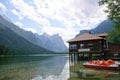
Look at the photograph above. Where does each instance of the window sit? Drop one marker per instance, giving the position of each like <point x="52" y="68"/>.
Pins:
<point x="90" y="45"/>
<point x="81" y="46"/>
<point x="73" y="46"/>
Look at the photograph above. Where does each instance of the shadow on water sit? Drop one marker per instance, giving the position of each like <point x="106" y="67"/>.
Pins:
<point x="79" y="72"/>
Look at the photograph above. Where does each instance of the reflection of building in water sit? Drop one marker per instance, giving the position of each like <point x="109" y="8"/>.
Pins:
<point x="92" y="46"/>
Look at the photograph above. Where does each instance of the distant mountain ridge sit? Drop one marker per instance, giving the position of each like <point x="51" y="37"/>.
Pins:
<point x="53" y="43"/>
<point x="27" y="35"/>
<point x="103" y="27"/>
<point x="17" y="45"/>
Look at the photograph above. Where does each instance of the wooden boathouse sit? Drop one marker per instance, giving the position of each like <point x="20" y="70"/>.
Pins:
<point x="92" y="46"/>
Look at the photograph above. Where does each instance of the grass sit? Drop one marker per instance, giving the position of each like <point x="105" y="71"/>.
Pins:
<point x="21" y="73"/>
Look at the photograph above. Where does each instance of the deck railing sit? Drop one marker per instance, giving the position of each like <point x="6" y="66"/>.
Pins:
<point x="84" y="50"/>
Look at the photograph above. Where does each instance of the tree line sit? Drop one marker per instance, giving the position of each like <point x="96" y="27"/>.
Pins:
<point x="113" y="11"/>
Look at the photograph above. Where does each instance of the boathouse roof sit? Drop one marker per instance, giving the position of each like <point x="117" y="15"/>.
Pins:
<point x="102" y="35"/>
<point x="87" y="36"/>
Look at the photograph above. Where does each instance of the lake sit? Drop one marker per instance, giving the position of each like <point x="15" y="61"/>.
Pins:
<point x="50" y="67"/>
<point x="36" y="67"/>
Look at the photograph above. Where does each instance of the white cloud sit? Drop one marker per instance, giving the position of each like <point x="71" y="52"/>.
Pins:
<point x="4" y="9"/>
<point x="30" y="29"/>
<point x="17" y="14"/>
<point x="26" y="10"/>
<point x="83" y="13"/>
<point x="18" y="24"/>
<point x="27" y="29"/>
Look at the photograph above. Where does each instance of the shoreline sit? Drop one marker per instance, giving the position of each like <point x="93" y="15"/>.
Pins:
<point x="54" y="54"/>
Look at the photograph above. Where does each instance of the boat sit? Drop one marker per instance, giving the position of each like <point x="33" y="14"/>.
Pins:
<point x="101" y="64"/>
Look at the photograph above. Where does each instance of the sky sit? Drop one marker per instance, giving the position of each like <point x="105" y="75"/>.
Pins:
<point x="63" y="17"/>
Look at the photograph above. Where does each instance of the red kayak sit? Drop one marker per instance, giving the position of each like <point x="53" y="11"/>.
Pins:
<point x="104" y="65"/>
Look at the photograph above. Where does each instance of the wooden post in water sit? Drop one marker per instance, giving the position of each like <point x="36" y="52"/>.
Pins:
<point x="90" y="56"/>
<point x="77" y="56"/>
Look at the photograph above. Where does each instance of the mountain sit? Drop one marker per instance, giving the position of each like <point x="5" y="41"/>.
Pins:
<point x="104" y="26"/>
<point x="16" y="44"/>
<point x="6" y="18"/>
<point x="26" y="34"/>
<point x="83" y="31"/>
<point x="44" y="40"/>
<point x="54" y="42"/>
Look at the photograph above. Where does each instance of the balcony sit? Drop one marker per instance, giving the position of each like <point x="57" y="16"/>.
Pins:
<point x="84" y="50"/>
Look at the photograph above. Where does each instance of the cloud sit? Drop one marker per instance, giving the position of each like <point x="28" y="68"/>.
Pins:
<point x="4" y="9"/>
<point x="27" y="29"/>
<point x="18" y="24"/>
<point x="17" y="14"/>
<point x="28" y="11"/>
<point x="74" y="14"/>
<point x="30" y="29"/>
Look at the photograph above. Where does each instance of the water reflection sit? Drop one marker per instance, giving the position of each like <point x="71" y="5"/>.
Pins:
<point x="64" y="75"/>
<point x="79" y="72"/>
<point x="50" y="68"/>
<point x="34" y="68"/>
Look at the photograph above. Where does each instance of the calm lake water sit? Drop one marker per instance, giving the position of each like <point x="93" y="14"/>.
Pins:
<point x="49" y="67"/>
<point x="34" y="67"/>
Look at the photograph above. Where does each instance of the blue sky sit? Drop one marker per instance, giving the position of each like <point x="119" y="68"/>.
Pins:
<point x="65" y="17"/>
